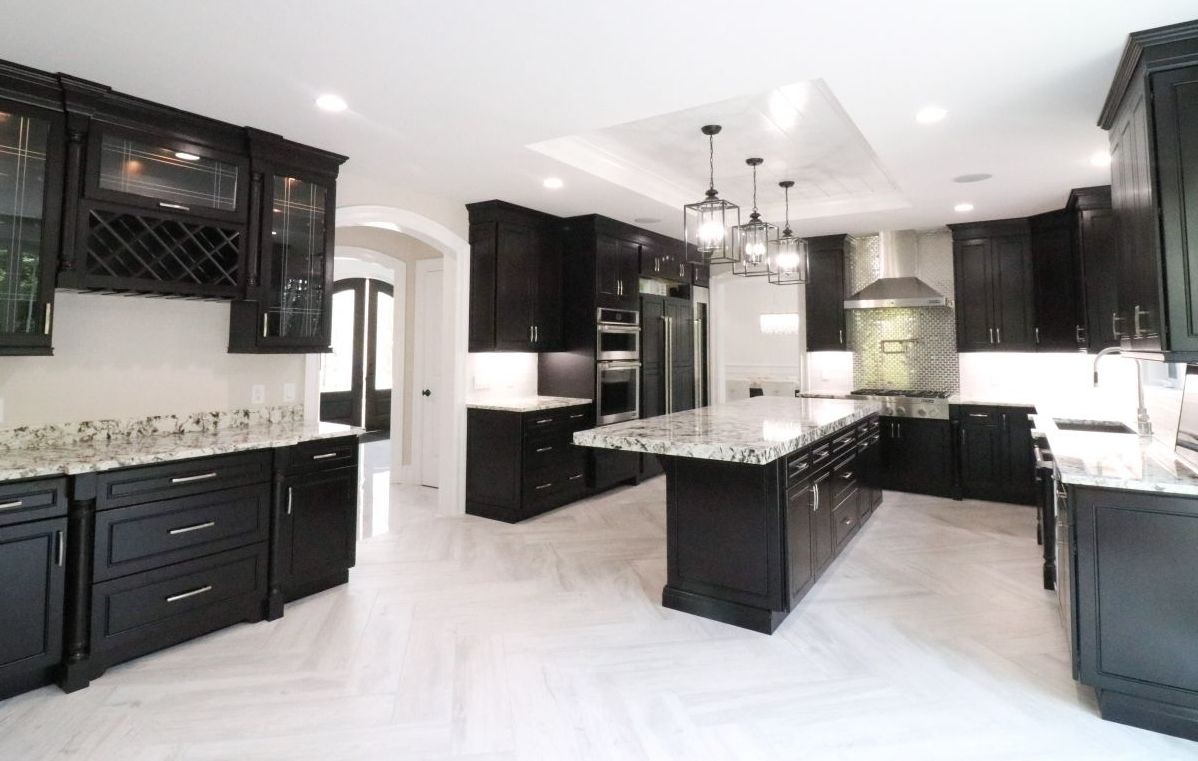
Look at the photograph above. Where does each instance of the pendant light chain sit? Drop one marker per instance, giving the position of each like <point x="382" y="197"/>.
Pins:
<point x="711" y="162"/>
<point x="754" y="188"/>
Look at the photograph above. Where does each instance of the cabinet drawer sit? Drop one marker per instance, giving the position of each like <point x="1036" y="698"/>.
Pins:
<point x="565" y="418"/>
<point x="146" y="607"/>
<point x="844" y="479"/>
<point x="844" y="521"/>
<point x="24" y="501"/>
<point x="131" y="486"/>
<point x="321" y="454"/>
<point x="569" y="472"/>
<point x="821" y="453"/>
<point x="798" y="465"/>
<point x="843" y="442"/>
<point x="143" y="537"/>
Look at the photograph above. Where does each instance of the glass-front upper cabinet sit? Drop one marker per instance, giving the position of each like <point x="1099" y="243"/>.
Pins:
<point x="31" y="154"/>
<point x="166" y="173"/>
<point x="297" y="263"/>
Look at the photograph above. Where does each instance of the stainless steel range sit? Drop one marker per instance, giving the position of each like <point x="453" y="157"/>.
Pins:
<point x="932" y="405"/>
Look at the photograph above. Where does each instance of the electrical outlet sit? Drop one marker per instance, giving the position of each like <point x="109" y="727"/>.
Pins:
<point x="257" y="394"/>
<point x="288" y="392"/>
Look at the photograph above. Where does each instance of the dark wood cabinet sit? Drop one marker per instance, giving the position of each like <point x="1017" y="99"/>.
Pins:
<point x="1059" y="303"/>
<point x="995" y="460"/>
<point x="515" y="279"/>
<point x="801" y="510"/>
<point x="701" y="275"/>
<point x="521" y="464"/>
<point x="617" y="267"/>
<point x="826" y="292"/>
<point x="1096" y="252"/>
<point x="317" y="518"/>
<point x="1134" y="599"/>
<point x="33" y="535"/>
<point x="665" y="259"/>
<point x="1152" y="119"/>
<point x="288" y="304"/>
<point x="32" y="147"/>
<point x="916" y="455"/>
<point x="994" y="287"/>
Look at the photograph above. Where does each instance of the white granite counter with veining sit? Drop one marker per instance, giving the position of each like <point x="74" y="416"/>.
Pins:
<point x="754" y="431"/>
<point x="981" y="402"/>
<point x="526" y="403"/>
<point x="1115" y="460"/>
<point x="67" y="456"/>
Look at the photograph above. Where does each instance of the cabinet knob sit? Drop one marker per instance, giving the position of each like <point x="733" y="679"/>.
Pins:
<point x="426" y="392"/>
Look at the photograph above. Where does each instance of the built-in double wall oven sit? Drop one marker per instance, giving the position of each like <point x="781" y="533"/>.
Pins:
<point x="618" y="366"/>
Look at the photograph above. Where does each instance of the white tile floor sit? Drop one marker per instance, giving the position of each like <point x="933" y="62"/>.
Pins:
<point x="461" y="638"/>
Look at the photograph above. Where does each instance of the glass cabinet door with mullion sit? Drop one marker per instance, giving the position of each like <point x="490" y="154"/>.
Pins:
<point x="167" y="174"/>
<point x="297" y="262"/>
<point x="31" y="155"/>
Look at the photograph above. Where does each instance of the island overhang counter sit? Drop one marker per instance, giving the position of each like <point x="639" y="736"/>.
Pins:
<point x="761" y="494"/>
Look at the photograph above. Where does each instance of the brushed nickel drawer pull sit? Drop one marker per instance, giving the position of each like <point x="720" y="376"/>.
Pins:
<point x="544" y="449"/>
<point x="544" y="486"/>
<point x="176" y="206"/>
<point x="11" y="505"/>
<point x="189" y="529"/>
<point x="192" y="593"/>
<point x="980" y="414"/>
<point x="543" y="421"/>
<point x="61" y="539"/>
<point x="324" y="456"/>
<point x="290" y="491"/>
<point x="848" y="476"/>
<point x="847" y="521"/>
<point x="49" y="319"/>
<point x="575" y="417"/>
<point x="575" y="478"/>
<point x="190" y="479"/>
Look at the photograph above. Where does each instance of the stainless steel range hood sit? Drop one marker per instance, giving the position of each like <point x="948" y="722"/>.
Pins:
<point x="898" y="284"/>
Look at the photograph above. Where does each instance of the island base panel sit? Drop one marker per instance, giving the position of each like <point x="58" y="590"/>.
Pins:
<point x="744" y="616"/>
<point x="1146" y="713"/>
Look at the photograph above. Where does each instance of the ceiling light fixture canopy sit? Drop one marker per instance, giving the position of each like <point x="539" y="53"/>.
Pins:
<point x="788" y="260"/>
<point x="707" y="224"/>
<point x="750" y="241"/>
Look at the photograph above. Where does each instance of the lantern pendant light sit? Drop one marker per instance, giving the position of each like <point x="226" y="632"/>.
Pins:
<point x="750" y="241"/>
<point x="788" y="260"/>
<point x="707" y="225"/>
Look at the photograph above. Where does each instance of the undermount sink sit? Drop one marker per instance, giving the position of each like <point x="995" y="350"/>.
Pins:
<point x="1092" y="426"/>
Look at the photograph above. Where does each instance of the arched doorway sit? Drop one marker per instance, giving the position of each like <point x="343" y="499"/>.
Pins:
<point x="355" y="377"/>
<point x="451" y="407"/>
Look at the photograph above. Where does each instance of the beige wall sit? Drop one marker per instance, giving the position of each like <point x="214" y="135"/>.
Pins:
<point x="129" y="356"/>
<point x="404" y="248"/>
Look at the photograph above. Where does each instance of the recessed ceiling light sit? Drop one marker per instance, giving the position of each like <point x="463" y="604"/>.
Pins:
<point x="553" y="183"/>
<point x="961" y="208"/>
<point x="930" y="114"/>
<point x="332" y="103"/>
<point x="184" y="155"/>
<point x="646" y="220"/>
<point x="1101" y="158"/>
<point x="979" y="177"/>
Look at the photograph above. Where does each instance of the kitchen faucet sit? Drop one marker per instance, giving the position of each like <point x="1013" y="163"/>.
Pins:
<point x="1143" y="424"/>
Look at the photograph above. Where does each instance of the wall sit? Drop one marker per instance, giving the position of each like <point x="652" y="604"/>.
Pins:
<point x="500" y="374"/>
<point x="130" y="356"/>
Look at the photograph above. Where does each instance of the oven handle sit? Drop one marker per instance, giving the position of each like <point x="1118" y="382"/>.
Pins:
<point x="618" y="327"/>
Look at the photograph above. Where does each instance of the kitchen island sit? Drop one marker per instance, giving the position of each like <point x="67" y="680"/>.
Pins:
<point x="762" y="494"/>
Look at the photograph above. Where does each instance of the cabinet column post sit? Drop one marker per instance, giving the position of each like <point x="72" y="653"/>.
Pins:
<point x="75" y="673"/>
<point x="274" y="593"/>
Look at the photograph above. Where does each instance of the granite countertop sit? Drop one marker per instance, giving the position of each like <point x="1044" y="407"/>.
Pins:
<point x="754" y="431"/>
<point x="1115" y="460"/>
<point x="526" y="403"/>
<point x="959" y="399"/>
<point x="51" y="457"/>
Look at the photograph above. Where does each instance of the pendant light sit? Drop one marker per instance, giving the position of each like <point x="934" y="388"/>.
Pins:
<point x="707" y="224"/>
<point x="750" y="241"/>
<point x="788" y="260"/>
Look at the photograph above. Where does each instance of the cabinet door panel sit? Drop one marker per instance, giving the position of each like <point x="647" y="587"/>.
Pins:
<point x="548" y="300"/>
<point x="1057" y="302"/>
<point x="320" y="517"/>
<point x="1019" y="473"/>
<point x="1011" y="284"/>
<point x="1098" y="245"/>
<point x="822" y="546"/>
<point x="825" y="293"/>
<point x="31" y="595"/>
<point x="515" y="276"/>
<point x="628" y="266"/>
<point x="799" y="544"/>
<point x="297" y="263"/>
<point x="980" y="459"/>
<point x="972" y="280"/>
<point x="483" y="243"/>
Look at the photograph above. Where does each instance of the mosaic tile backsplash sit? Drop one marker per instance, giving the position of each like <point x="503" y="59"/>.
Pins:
<point x="920" y="349"/>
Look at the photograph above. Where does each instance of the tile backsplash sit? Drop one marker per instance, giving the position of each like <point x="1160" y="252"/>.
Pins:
<point x="907" y="347"/>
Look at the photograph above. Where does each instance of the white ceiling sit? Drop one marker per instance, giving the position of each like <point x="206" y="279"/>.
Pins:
<point x="445" y="97"/>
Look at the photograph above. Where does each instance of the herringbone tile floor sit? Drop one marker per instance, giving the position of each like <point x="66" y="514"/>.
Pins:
<point x="461" y="638"/>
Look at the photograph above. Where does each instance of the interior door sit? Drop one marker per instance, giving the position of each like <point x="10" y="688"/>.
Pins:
<point x="341" y="369"/>
<point x="428" y="363"/>
<point x="380" y="341"/>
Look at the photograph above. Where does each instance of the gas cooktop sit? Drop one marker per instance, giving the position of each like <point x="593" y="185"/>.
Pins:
<point x="909" y="393"/>
<point x="898" y="402"/>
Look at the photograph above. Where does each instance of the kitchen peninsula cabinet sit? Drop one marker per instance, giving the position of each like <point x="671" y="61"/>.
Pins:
<point x="1151" y="113"/>
<point x="826" y="292"/>
<point x="916" y="456"/>
<point x="992" y="269"/>
<point x="994" y="453"/>
<point x="32" y="147"/>
<point x="515" y="279"/>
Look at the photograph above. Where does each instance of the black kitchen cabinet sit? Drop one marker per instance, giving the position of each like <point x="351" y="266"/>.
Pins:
<point x="664" y="258"/>
<point x="316" y="518"/>
<point x="667" y="362"/>
<point x="1151" y="113"/>
<point x="826" y="292"/>
<point x="1096" y="252"/>
<point x="515" y="279"/>
<point x="33" y="530"/>
<point x="1058" y="303"/>
<point x="523" y="464"/>
<point x="801" y="510"/>
<point x="916" y="455"/>
<point x="288" y="304"/>
<point x="994" y="286"/>
<point x="995" y="460"/>
<point x="32" y="147"/>
<point x="701" y="275"/>
<point x="1134" y="599"/>
<point x="617" y="263"/>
